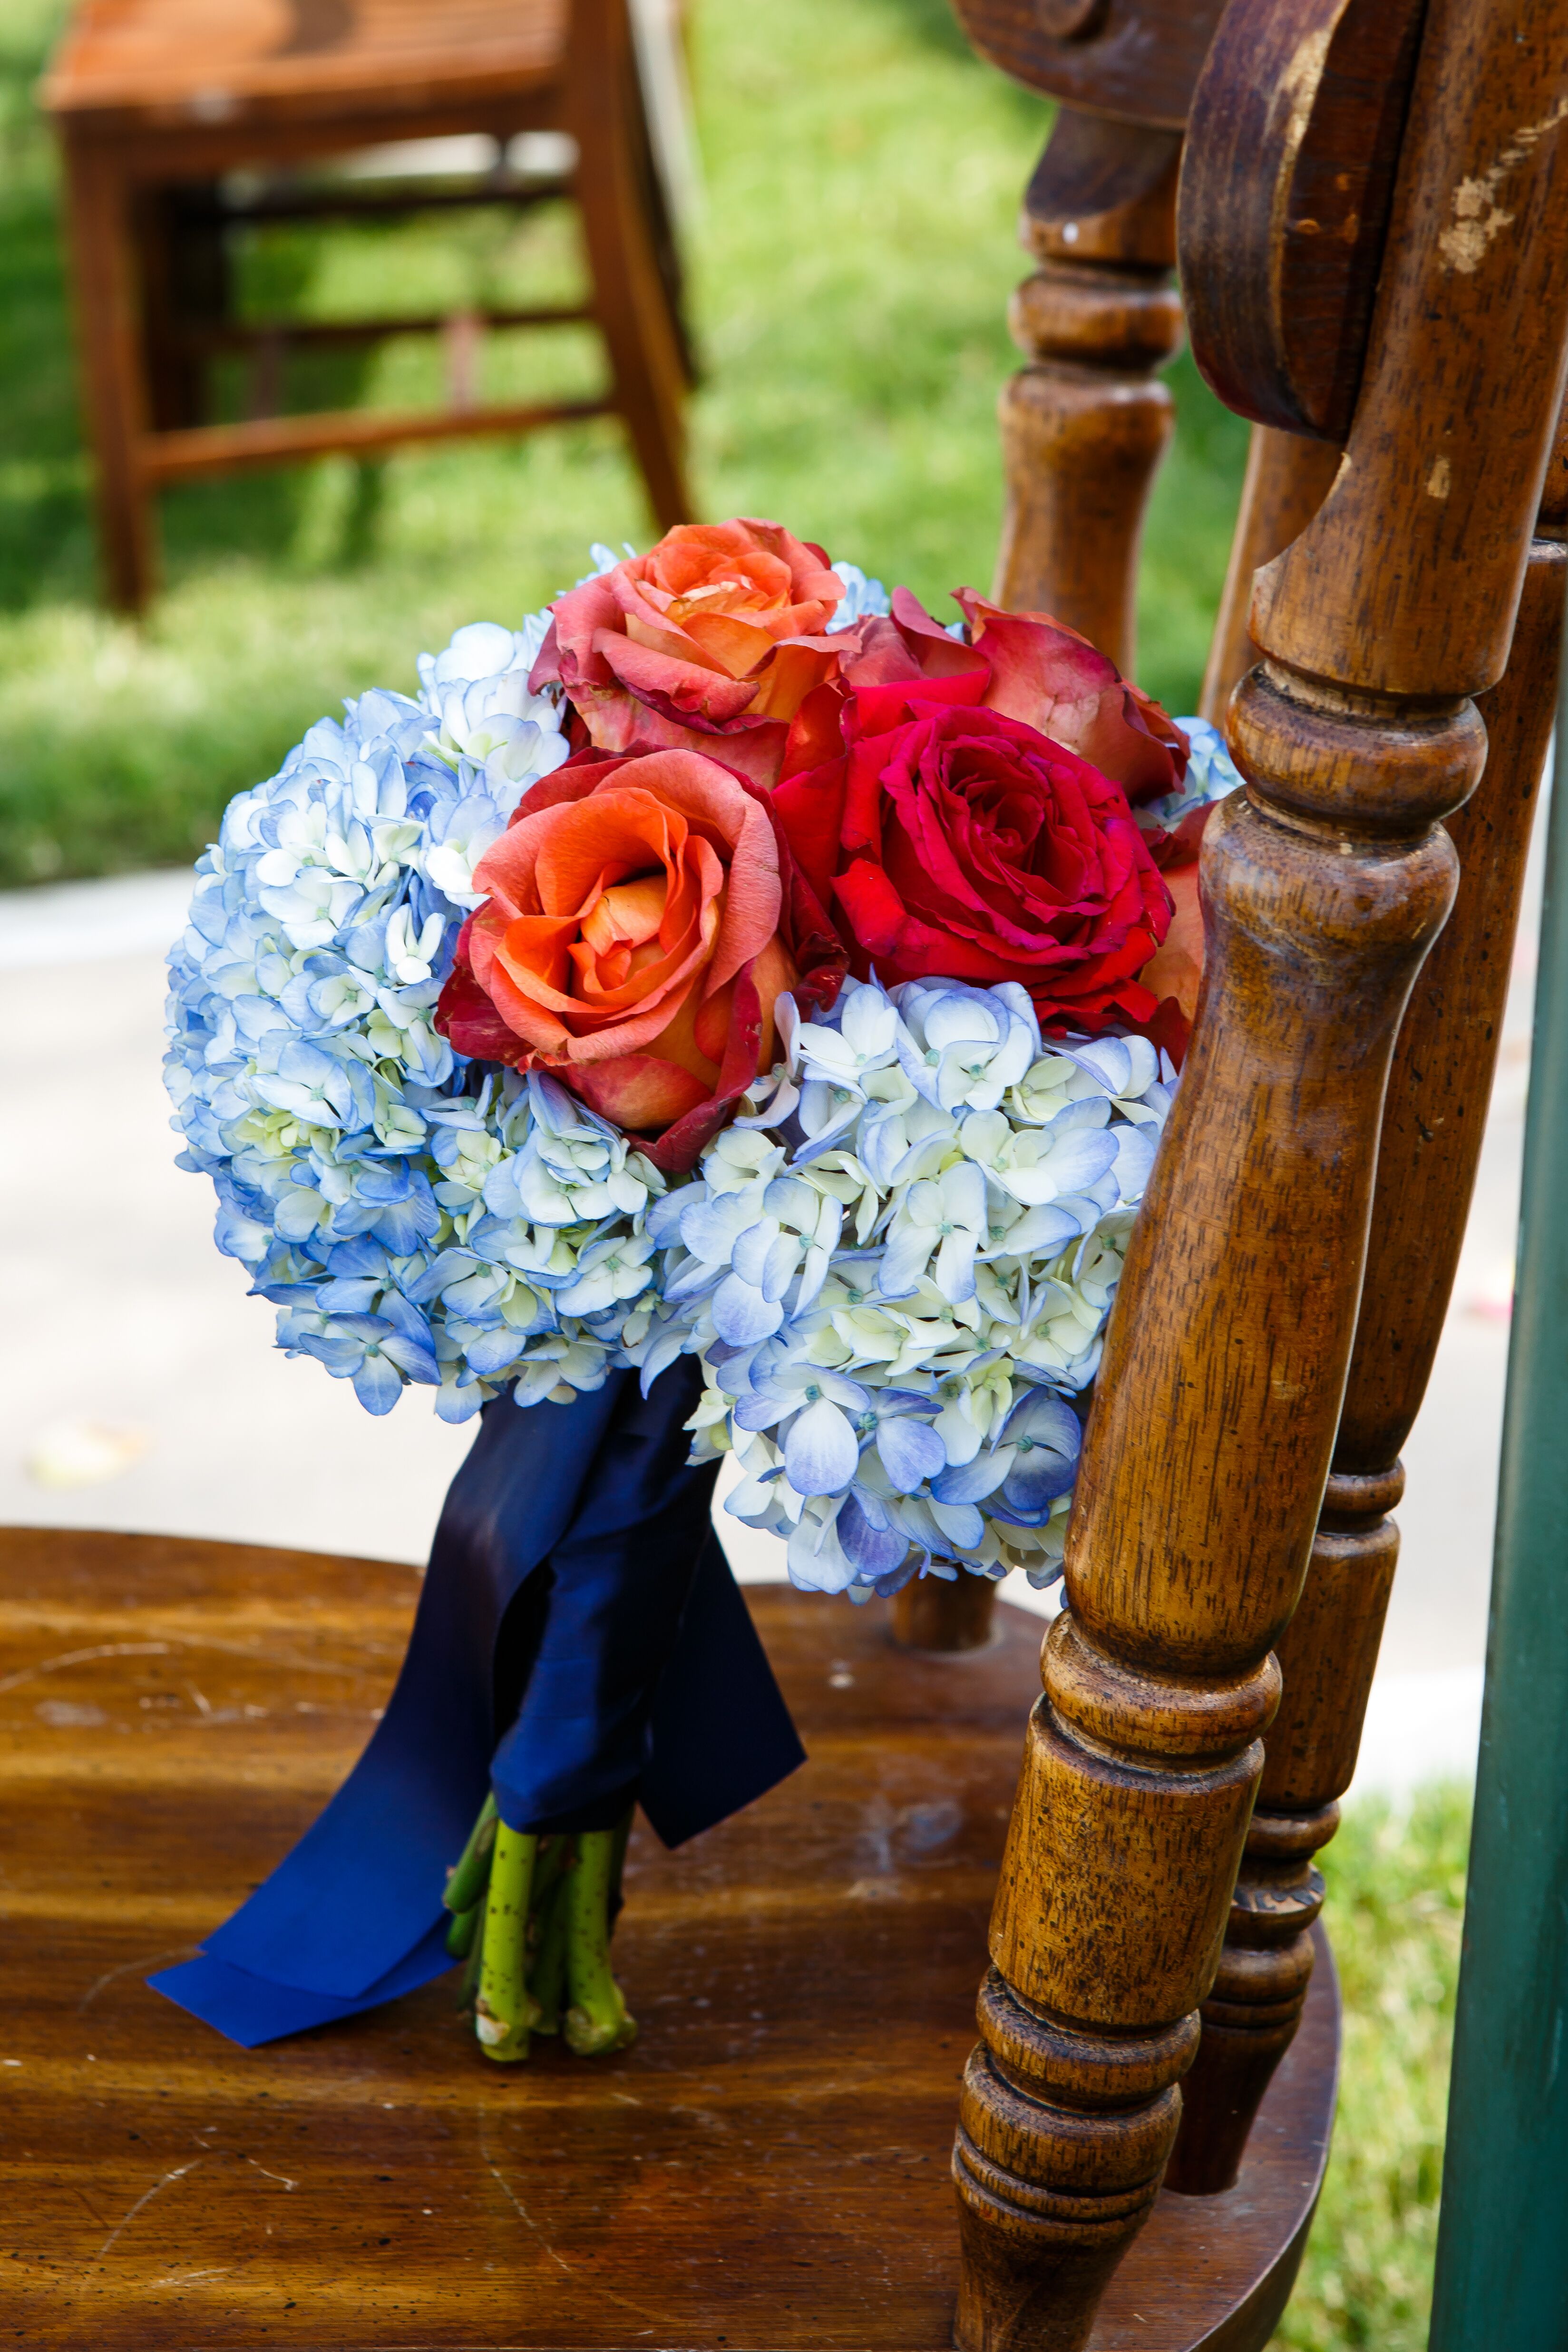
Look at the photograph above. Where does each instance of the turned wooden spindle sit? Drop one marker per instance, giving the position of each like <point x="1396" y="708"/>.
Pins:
<point x="1218" y="1399"/>
<point x="932" y="1614"/>
<point x="1433" y="1125"/>
<point x="1287" y="479"/>
<point x="1085" y="424"/>
<point x="1083" y="430"/>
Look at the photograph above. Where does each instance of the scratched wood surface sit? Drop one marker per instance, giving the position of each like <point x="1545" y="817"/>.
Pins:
<point x="768" y="2167"/>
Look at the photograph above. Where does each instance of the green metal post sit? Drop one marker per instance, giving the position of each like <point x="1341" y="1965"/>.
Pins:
<point x="1502" y="2244"/>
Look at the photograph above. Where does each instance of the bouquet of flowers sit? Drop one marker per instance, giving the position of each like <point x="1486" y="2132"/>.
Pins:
<point x="733" y="998"/>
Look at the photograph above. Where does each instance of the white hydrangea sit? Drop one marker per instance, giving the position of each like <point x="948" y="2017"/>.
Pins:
<point x="861" y="597"/>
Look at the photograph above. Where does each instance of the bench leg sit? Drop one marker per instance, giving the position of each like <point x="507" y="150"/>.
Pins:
<point x="630" y="291"/>
<point x="103" y="264"/>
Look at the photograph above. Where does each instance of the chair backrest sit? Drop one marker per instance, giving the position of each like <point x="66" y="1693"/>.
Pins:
<point x="1134" y="61"/>
<point x="1227" y="1509"/>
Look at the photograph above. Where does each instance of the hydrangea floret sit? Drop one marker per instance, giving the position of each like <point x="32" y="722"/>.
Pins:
<point x="896" y="1267"/>
<point x="1211" y="772"/>
<point x="413" y="1219"/>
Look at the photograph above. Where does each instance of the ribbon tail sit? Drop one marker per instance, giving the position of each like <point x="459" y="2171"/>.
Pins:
<point x="721" y="1734"/>
<point x="578" y="1599"/>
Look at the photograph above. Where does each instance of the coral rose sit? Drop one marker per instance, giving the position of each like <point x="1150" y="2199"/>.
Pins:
<point x="642" y="916"/>
<point x="721" y="630"/>
<point x="958" y="842"/>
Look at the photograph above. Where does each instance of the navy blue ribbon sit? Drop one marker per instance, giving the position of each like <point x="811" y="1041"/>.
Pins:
<point x="580" y="1643"/>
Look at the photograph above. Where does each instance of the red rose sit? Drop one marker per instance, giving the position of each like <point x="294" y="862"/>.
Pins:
<point x="1026" y="666"/>
<point x="642" y="917"/>
<point x="718" y="632"/>
<point x="1047" y="675"/>
<point x="956" y="841"/>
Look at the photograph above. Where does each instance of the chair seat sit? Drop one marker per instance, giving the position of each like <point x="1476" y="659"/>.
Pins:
<point x="768" y="2165"/>
<point x="149" y="59"/>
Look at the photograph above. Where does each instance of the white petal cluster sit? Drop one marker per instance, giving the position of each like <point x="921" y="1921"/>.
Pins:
<point x="863" y="596"/>
<point x="897" y="1266"/>
<point x="1210" y="774"/>
<point x="413" y="1219"/>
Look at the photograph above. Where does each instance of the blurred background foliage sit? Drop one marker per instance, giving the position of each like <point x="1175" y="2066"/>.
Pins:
<point x="849" y="287"/>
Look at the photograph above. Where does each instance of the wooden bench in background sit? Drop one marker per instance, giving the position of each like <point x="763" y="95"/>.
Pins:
<point x="160" y="103"/>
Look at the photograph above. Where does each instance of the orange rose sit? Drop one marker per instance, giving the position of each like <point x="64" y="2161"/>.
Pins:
<point x="643" y="918"/>
<point x="720" y="630"/>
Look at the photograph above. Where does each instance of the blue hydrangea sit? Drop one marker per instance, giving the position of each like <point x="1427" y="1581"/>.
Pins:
<point x="861" y="597"/>
<point x="414" y="1218"/>
<point x="897" y="1269"/>
<point x="1211" y="772"/>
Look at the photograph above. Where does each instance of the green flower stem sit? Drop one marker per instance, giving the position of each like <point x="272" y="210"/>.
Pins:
<point x="550" y="1865"/>
<point x="466" y="1885"/>
<point x="596" y="2021"/>
<point x="460" y="1934"/>
<point x="546" y="1977"/>
<point x="622" y="1834"/>
<point x="504" y="2011"/>
<point x="468" y="1990"/>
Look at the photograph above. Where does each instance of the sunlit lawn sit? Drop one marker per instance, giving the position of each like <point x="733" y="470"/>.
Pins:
<point x="850" y="279"/>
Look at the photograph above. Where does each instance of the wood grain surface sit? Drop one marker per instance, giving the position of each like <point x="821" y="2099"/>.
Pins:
<point x="1408" y="580"/>
<point x="124" y="56"/>
<point x="1294" y="137"/>
<point x="766" y="2168"/>
<point x="1287" y="479"/>
<point x="1433" y="1121"/>
<point x="1212" y="1433"/>
<point x="1133" y="60"/>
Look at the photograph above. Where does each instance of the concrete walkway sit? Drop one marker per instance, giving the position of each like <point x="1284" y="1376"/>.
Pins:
<point x="140" y="1389"/>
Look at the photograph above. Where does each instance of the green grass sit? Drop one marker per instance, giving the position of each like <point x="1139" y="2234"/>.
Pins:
<point x="1395" y="1901"/>
<point x="851" y="281"/>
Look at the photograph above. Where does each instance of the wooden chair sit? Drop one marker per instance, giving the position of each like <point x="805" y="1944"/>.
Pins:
<point x="1337" y="280"/>
<point x="768" y="2167"/>
<point x="157" y="103"/>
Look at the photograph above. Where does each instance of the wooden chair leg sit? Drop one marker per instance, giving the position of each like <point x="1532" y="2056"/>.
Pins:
<point x="1085" y="426"/>
<point x="103" y="263"/>
<point x="1082" y="431"/>
<point x="1287" y="478"/>
<point x="932" y="1614"/>
<point x="1432" y="1129"/>
<point x="630" y="294"/>
<point x="186" y="282"/>
<point x="1219" y="1399"/>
